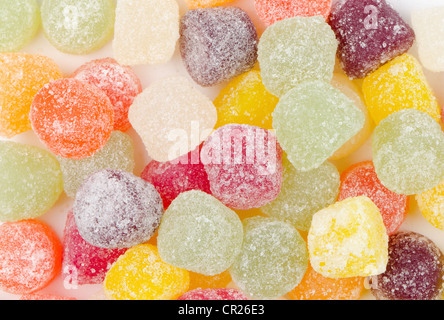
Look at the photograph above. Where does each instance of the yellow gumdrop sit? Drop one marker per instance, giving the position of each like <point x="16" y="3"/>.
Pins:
<point x="195" y="4"/>
<point x="397" y="85"/>
<point x="348" y="239"/>
<point x="246" y="101"/>
<point x="431" y="205"/>
<point x="22" y="75"/>
<point x="140" y="274"/>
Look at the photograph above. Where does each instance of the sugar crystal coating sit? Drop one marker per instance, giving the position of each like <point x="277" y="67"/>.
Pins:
<point x="44" y="296"/>
<point x="214" y="294"/>
<point x="194" y="4"/>
<point x="431" y="205"/>
<point x="114" y="209"/>
<point x="217" y="44"/>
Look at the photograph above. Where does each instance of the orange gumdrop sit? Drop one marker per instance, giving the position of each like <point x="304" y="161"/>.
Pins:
<point x="200" y="281"/>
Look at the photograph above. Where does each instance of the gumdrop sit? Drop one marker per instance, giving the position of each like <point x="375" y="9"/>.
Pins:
<point x="273" y="259"/>
<point x="431" y="205"/>
<point x="44" y="296"/>
<point x="78" y="26"/>
<point x="415" y="269"/>
<point x="195" y="4"/>
<point x="214" y="294"/>
<point x="312" y="121"/>
<point x="146" y="31"/>
<point x="201" y="281"/>
<point x="370" y="33"/>
<point x="140" y="274"/>
<point x="30" y="256"/>
<point x="30" y="181"/>
<point x="22" y="75"/>
<point x="295" y="50"/>
<point x="217" y="44"/>
<point x="244" y="166"/>
<point x="348" y="239"/>
<point x="114" y="209"/>
<point x="198" y="233"/>
<point x="180" y="118"/>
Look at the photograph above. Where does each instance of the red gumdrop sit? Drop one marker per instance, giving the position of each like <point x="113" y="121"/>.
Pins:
<point x="214" y="294"/>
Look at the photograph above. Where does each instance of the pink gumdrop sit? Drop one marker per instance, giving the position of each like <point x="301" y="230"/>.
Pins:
<point x="244" y="165"/>
<point x="82" y="262"/>
<point x="214" y="294"/>
<point x="44" y="296"/>
<point x="120" y="84"/>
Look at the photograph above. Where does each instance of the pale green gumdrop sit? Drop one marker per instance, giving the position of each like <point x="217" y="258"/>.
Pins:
<point x="273" y="260"/>
<point x="78" y="26"/>
<point x="408" y="152"/>
<point x="294" y="50"/>
<point x="200" y="234"/>
<point x="312" y="121"/>
<point x="19" y="23"/>
<point x="118" y="153"/>
<point x="30" y="181"/>
<point x="304" y="193"/>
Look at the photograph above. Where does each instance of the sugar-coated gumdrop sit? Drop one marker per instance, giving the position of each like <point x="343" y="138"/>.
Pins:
<point x="431" y="205"/>
<point x="312" y="121"/>
<point x="180" y="118"/>
<point x="82" y="262"/>
<point x="201" y="281"/>
<point x="315" y="286"/>
<point x="370" y="33"/>
<point x="44" y="296"/>
<point x="146" y="31"/>
<point x="118" y="153"/>
<point x="303" y="194"/>
<point x="30" y="181"/>
<point x="270" y="11"/>
<point x="120" y="83"/>
<point x="217" y="44"/>
<point x="140" y="274"/>
<point x="361" y="179"/>
<point x="244" y="165"/>
<point x="194" y="4"/>
<point x="408" y="152"/>
<point x="198" y="233"/>
<point x="72" y="118"/>
<point x="19" y="23"/>
<point x="415" y="269"/>
<point x="30" y="256"/>
<point x="22" y="75"/>
<point x="294" y="50"/>
<point x="273" y="259"/>
<point x="182" y="174"/>
<point x="78" y="26"/>
<point x="245" y="101"/>
<point x="114" y="209"/>
<point x="348" y="239"/>
<point x="214" y="294"/>
<point x="397" y="85"/>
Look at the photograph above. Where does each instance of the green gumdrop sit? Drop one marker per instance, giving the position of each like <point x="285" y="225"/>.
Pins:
<point x="304" y="193"/>
<point x="272" y="261"/>
<point x="30" y="181"/>
<point x="408" y="152"/>
<point x="19" y="23"/>
<point x="312" y="121"/>
<point x="198" y="233"/>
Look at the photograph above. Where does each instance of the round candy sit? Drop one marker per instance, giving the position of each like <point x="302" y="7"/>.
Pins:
<point x="30" y="181"/>
<point x="78" y="26"/>
<point x="114" y="209"/>
<point x="30" y="256"/>
<point x="415" y="269"/>
<point x="72" y="118"/>
<point x="431" y="205"/>
<point x="120" y="83"/>
<point x="201" y="281"/>
<point x="214" y="294"/>
<point x="19" y="23"/>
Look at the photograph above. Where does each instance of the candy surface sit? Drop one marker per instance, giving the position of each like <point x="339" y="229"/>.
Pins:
<point x="22" y="75"/>
<point x="30" y="256"/>
<point x="43" y="296"/>
<point x="201" y="281"/>
<point x="140" y="274"/>
<point x="194" y="4"/>
<point x="431" y="205"/>
<point x="408" y="152"/>
<point x="78" y="26"/>
<point x="198" y="233"/>
<point x="217" y="44"/>
<point x="213" y="294"/>
<point x="295" y="50"/>
<point x="348" y="239"/>
<point x="114" y="209"/>
<point x="30" y="181"/>
<point x="146" y="31"/>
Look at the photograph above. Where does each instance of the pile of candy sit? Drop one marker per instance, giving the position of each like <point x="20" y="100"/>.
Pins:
<point x="242" y="197"/>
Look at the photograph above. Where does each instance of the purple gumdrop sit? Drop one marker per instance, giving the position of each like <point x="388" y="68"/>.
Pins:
<point x="414" y="269"/>
<point x="370" y="33"/>
<point x="217" y="44"/>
